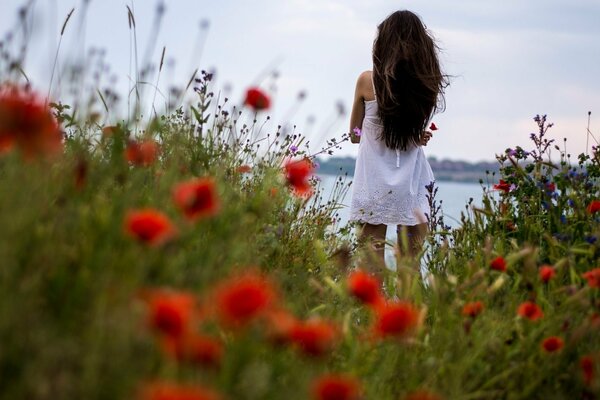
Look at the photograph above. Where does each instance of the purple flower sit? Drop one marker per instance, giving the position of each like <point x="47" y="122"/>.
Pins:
<point x="357" y="131"/>
<point x="591" y="239"/>
<point x="294" y="149"/>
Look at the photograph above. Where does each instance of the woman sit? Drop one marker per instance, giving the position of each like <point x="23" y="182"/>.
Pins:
<point x="392" y="107"/>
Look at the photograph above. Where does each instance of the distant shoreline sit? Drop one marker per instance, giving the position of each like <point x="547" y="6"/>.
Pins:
<point x="444" y="170"/>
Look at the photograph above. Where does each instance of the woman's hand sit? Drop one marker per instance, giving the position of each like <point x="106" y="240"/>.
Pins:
<point x="425" y="137"/>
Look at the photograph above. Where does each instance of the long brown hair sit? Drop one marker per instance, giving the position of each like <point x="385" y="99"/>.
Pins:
<point x="409" y="83"/>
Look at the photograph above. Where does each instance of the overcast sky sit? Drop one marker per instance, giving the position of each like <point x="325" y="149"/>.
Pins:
<point x="510" y="59"/>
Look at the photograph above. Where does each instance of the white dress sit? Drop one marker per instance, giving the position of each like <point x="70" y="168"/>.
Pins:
<point x="389" y="185"/>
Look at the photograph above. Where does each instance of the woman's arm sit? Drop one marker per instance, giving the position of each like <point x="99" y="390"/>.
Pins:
<point x="358" y="107"/>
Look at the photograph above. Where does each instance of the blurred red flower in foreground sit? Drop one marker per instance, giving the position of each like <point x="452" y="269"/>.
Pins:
<point x="142" y="153"/>
<point x="365" y="287"/>
<point x="314" y="337"/>
<point x="503" y="186"/>
<point x="422" y="395"/>
<point x="336" y="387"/>
<point x="201" y="350"/>
<point x="197" y="198"/>
<point x="498" y="264"/>
<point x="397" y="319"/>
<point x="593" y="207"/>
<point x="547" y="272"/>
<point x="170" y="313"/>
<point x="530" y="310"/>
<point x="149" y="226"/>
<point x="587" y="368"/>
<point x="592" y="277"/>
<point x="173" y="391"/>
<point x="472" y="309"/>
<point x="297" y="174"/>
<point x="241" y="299"/>
<point x="552" y="344"/>
<point x="433" y="127"/>
<point x="257" y="99"/>
<point x="27" y="123"/>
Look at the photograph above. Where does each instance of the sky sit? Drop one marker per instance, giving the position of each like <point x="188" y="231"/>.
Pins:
<point x="508" y="59"/>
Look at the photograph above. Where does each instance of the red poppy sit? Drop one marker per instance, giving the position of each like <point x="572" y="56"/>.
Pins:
<point x="503" y="186"/>
<point x="279" y="325"/>
<point x="550" y="187"/>
<point x="297" y="174"/>
<point x="422" y="395"/>
<point x="498" y="264"/>
<point x="27" y="123"/>
<point x="241" y="299"/>
<point x="170" y="313"/>
<point x="530" y="310"/>
<point x="397" y="319"/>
<point x="197" y="198"/>
<point x="244" y="169"/>
<point x="200" y="350"/>
<point x="433" y="127"/>
<point x="552" y="344"/>
<point x="365" y="287"/>
<point x="314" y="337"/>
<point x="472" y="309"/>
<point x="174" y="391"/>
<point x="149" y="226"/>
<point x="587" y="368"/>
<point x="336" y="387"/>
<point x="142" y="153"/>
<point x="109" y="131"/>
<point x="593" y="207"/>
<point x="547" y="272"/>
<point x="257" y="99"/>
<point x="592" y="277"/>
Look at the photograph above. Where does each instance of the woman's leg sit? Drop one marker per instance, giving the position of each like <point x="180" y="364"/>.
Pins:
<point x="373" y="237"/>
<point x="415" y="235"/>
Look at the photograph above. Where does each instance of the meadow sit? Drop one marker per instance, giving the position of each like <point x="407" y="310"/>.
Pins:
<point x="189" y="256"/>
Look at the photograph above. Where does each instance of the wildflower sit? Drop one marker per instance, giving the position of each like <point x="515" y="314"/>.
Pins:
<point x="149" y="226"/>
<point x="27" y="123"/>
<point x="530" y="310"/>
<point x="364" y="287"/>
<point x="200" y="350"/>
<point x="142" y="153"/>
<point x="196" y="198"/>
<point x="242" y="299"/>
<point x="591" y="239"/>
<point x="550" y="187"/>
<point x="293" y="149"/>
<point x="297" y="174"/>
<point x="547" y="272"/>
<point x="357" y="131"/>
<point x="170" y="313"/>
<point x="257" y="99"/>
<point x="587" y="368"/>
<point x="552" y="344"/>
<point x="397" y="319"/>
<point x="336" y="387"/>
<point x="498" y="264"/>
<point x="593" y="207"/>
<point x="422" y="395"/>
<point x="279" y="325"/>
<point x="433" y="127"/>
<point x="244" y="169"/>
<point x="174" y="391"/>
<point x="592" y="277"/>
<point x="314" y="337"/>
<point x="502" y="185"/>
<point x="472" y="309"/>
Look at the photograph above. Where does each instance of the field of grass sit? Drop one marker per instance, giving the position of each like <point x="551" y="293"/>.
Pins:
<point x="191" y="257"/>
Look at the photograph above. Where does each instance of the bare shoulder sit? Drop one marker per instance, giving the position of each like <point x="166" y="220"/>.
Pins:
<point x="363" y="85"/>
